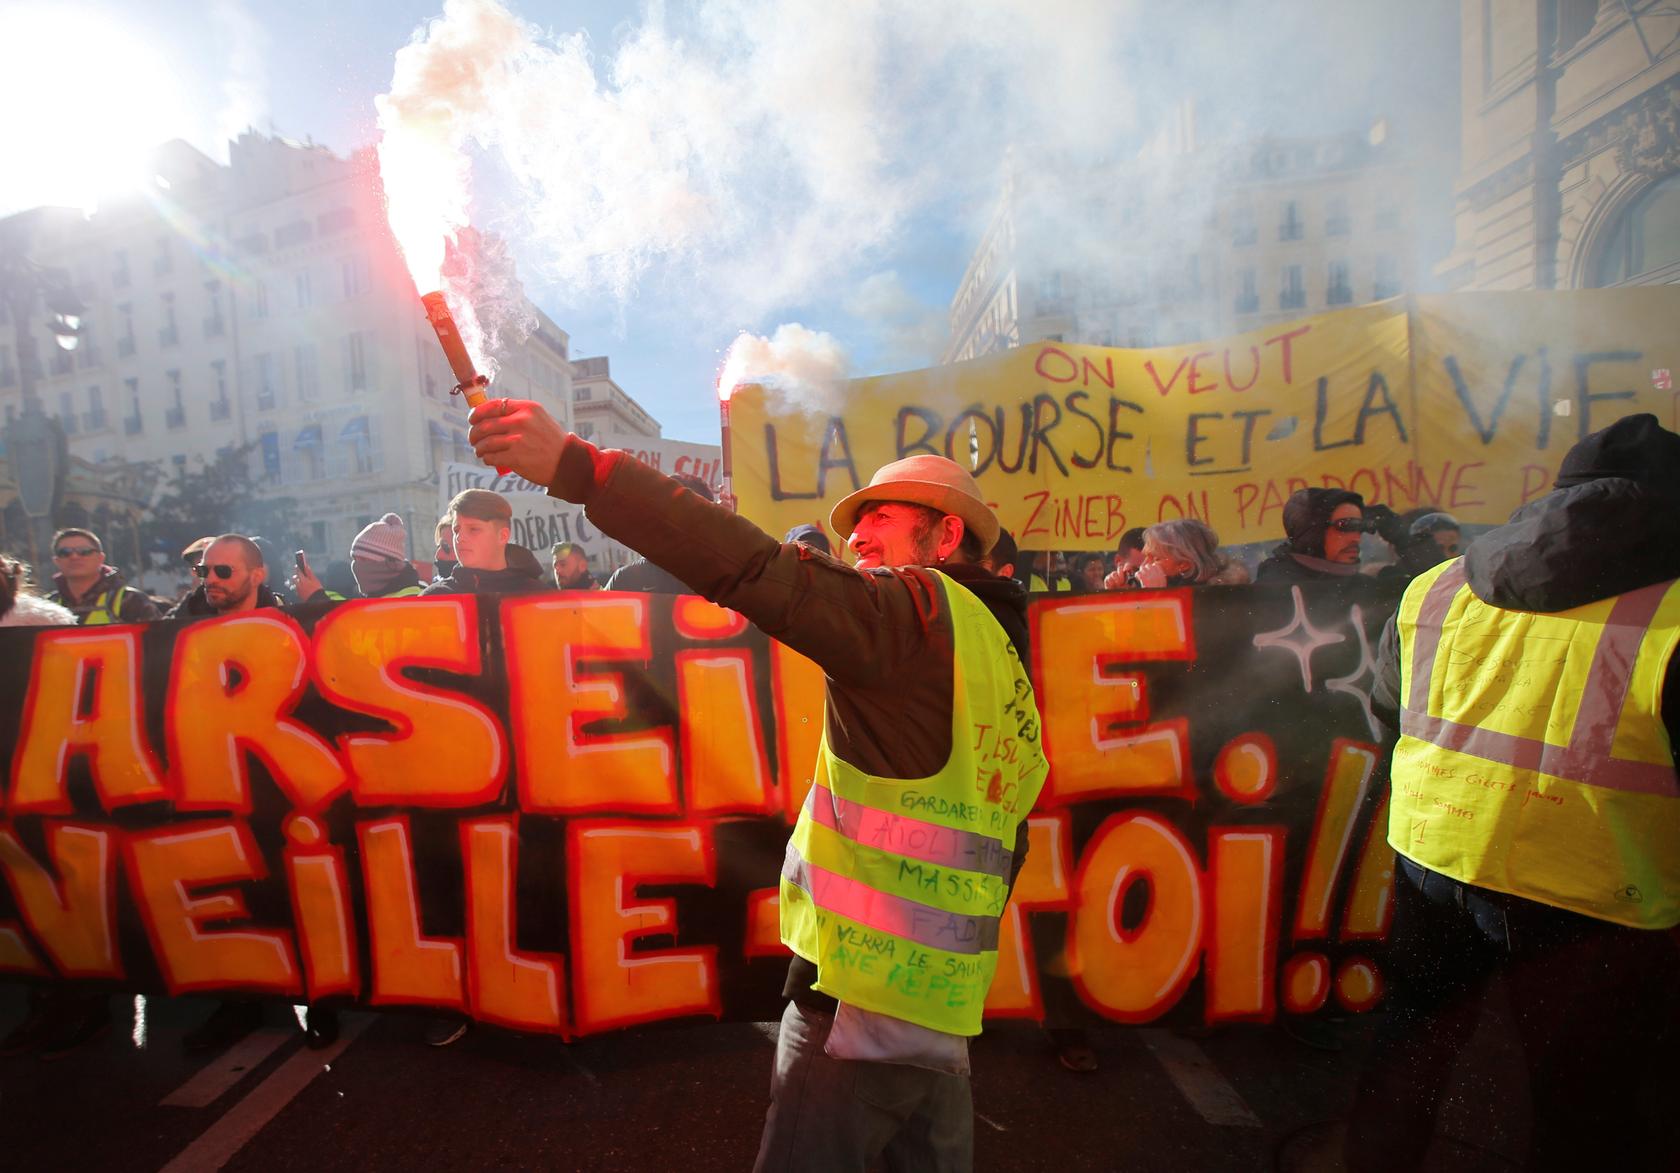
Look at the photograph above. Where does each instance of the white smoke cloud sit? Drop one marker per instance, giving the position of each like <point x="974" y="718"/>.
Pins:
<point x="796" y="363"/>
<point x="753" y="150"/>
<point x="909" y="332"/>
<point x="747" y="159"/>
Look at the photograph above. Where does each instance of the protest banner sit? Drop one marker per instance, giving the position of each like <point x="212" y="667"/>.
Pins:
<point x="538" y="520"/>
<point x="1462" y="402"/>
<point x="671" y="457"/>
<point x="566" y="813"/>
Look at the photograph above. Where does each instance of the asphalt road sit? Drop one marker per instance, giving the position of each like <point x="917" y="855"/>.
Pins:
<point x="676" y="1098"/>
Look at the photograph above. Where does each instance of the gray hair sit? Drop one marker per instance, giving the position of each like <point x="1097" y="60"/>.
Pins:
<point x="1188" y="540"/>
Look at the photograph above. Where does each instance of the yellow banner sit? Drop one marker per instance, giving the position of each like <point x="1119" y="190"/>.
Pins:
<point x="1432" y="401"/>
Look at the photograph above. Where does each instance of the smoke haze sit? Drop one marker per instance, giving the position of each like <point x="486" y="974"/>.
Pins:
<point x="749" y="159"/>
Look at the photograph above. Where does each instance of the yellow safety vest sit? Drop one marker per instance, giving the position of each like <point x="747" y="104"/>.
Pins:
<point x="893" y="887"/>
<point x="1533" y="759"/>
<point x="104" y="610"/>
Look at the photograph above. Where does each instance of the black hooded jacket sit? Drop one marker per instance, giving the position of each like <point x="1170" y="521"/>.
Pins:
<point x="197" y="605"/>
<point x="467" y="581"/>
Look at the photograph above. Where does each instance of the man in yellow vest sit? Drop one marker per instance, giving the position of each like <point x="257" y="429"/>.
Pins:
<point x="1535" y="808"/>
<point x="902" y="860"/>
<point x="92" y="589"/>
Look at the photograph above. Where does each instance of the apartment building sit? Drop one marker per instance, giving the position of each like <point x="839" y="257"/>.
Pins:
<point x="1183" y="243"/>
<point x="263" y="303"/>
<point x="601" y="407"/>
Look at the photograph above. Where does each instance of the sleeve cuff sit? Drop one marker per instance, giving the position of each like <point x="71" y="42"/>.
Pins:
<point x="582" y="468"/>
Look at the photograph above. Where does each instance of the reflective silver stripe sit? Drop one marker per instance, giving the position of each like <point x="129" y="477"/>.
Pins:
<point x="1586" y="759"/>
<point x="1431" y="615"/>
<point x="895" y="915"/>
<point x="902" y="835"/>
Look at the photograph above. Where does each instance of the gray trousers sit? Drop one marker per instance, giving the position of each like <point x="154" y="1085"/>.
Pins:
<point x="839" y="1115"/>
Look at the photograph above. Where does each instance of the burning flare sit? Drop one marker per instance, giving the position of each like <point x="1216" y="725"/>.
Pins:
<point x="442" y="84"/>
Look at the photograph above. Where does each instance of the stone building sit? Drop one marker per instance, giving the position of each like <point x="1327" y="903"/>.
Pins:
<point x="263" y="304"/>
<point x="1570" y="170"/>
<point x="600" y="407"/>
<point x="1186" y="242"/>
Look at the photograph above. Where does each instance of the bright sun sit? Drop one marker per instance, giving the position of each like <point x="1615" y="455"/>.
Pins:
<point x="85" y="96"/>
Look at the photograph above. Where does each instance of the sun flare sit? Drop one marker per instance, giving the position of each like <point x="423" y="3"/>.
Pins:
<point x="87" y="96"/>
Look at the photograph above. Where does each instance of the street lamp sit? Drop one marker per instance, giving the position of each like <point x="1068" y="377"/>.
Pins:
<point x="35" y="446"/>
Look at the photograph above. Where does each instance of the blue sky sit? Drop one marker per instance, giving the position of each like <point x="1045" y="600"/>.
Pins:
<point x="844" y="155"/>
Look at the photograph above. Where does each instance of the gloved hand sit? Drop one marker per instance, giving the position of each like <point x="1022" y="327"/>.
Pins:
<point x="1388" y="524"/>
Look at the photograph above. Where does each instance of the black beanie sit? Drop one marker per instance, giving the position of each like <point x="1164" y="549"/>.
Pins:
<point x="1636" y="447"/>
<point x="1306" y="515"/>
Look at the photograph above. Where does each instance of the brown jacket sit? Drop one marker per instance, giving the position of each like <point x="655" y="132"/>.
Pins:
<point x="883" y="638"/>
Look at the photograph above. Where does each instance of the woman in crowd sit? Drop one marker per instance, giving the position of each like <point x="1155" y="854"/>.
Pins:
<point x="1088" y="570"/>
<point x="1185" y="552"/>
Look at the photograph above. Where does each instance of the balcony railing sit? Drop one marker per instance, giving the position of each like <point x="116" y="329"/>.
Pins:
<point x="168" y="336"/>
<point x="1247" y="303"/>
<point x="125" y="347"/>
<point x="1388" y="288"/>
<point x="1338" y="226"/>
<point x="1339" y="295"/>
<point x="220" y="409"/>
<point x="213" y="327"/>
<point x="1292" y="299"/>
<point x="175" y="417"/>
<point x="131" y="426"/>
<point x="94" y="420"/>
<point x="67" y="421"/>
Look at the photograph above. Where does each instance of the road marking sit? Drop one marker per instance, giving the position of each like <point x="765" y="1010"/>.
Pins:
<point x="566" y="1053"/>
<point x="1188" y="1066"/>
<point x="227" y="1069"/>
<point x="248" y="1117"/>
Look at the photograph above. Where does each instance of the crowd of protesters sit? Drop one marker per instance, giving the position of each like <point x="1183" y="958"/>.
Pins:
<point x="1324" y="536"/>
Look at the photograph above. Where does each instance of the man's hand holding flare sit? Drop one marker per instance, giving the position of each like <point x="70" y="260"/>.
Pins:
<point x="519" y="435"/>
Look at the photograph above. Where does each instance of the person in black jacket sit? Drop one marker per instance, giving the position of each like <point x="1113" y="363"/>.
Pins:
<point x="232" y="578"/>
<point x="480" y="522"/>
<point x="1323" y="527"/>
<point x="1591" y="996"/>
<point x="91" y="588"/>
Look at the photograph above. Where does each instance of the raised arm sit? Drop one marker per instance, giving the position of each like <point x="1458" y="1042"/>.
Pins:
<point x="859" y="627"/>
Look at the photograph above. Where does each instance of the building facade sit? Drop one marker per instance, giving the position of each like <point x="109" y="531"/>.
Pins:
<point x="601" y="407"/>
<point x="263" y="304"/>
<point x="1185" y="243"/>
<point x="1570" y="168"/>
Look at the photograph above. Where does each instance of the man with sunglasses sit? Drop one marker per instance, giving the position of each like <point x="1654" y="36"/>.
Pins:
<point x="94" y="591"/>
<point x="1324" y="527"/>
<point x="231" y="578"/>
